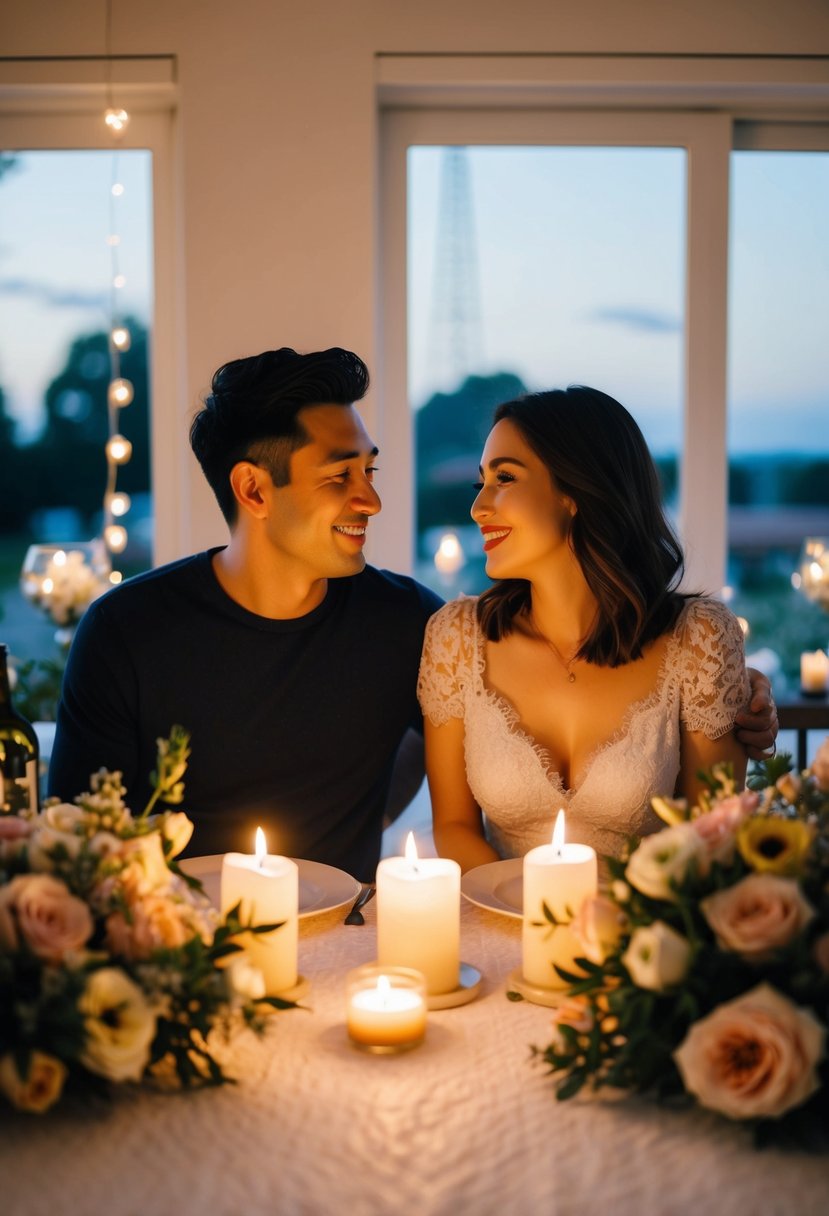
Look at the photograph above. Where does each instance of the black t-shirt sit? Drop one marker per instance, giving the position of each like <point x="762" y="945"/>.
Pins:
<point x="294" y="724"/>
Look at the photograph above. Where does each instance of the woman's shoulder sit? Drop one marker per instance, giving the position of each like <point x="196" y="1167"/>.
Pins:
<point x="701" y="616"/>
<point x="458" y="617"/>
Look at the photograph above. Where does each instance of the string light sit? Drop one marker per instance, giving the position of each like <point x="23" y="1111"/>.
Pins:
<point x="118" y="451"/>
<point x="120" y="391"/>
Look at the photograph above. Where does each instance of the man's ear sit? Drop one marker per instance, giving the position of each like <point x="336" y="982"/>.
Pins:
<point x="250" y="485"/>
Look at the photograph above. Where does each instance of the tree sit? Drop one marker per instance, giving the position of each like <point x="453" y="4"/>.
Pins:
<point x="70" y="453"/>
<point x="450" y="431"/>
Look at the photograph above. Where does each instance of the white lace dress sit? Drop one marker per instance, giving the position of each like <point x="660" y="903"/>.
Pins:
<point x="701" y="683"/>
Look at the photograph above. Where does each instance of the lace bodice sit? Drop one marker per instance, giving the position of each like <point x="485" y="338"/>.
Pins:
<point x="701" y="683"/>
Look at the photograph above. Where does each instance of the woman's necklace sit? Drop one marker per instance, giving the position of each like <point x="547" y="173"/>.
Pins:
<point x="567" y="664"/>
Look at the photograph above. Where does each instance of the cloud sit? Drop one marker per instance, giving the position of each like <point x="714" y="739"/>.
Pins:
<point x="637" y="318"/>
<point x="51" y="295"/>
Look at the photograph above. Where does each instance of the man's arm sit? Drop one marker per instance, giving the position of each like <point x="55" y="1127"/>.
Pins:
<point x="756" y="725"/>
<point x="95" y="728"/>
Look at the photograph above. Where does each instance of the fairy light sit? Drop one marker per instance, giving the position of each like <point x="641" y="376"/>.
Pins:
<point x="120" y="391"/>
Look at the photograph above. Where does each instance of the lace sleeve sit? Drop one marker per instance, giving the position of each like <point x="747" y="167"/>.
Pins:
<point x="714" y="685"/>
<point x="446" y="664"/>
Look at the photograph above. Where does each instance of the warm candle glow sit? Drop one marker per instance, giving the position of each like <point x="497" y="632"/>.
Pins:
<point x="558" y="832"/>
<point x="60" y="558"/>
<point x="261" y="847"/>
<point x="410" y="851"/>
<point x="383" y="988"/>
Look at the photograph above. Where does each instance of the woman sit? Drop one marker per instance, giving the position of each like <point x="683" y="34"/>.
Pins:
<point x="582" y="679"/>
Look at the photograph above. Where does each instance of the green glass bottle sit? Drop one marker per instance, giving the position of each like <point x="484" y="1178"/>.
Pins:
<point x="18" y="753"/>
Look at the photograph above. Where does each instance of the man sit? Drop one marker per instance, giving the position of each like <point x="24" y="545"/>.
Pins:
<point x="291" y="662"/>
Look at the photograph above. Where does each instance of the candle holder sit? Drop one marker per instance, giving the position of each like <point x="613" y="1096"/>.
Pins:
<point x="385" y="1008"/>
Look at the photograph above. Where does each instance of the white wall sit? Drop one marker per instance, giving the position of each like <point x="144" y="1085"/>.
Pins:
<point x="277" y="141"/>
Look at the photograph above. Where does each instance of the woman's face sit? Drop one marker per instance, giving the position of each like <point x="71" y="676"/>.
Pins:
<point x="523" y="517"/>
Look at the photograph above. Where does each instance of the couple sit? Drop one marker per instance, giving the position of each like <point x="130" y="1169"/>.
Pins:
<point x="294" y="665"/>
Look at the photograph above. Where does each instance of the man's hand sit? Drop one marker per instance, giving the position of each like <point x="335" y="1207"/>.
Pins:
<point x="756" y="725"/>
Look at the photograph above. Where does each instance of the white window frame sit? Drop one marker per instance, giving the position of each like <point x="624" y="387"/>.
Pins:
<point x="724" y="104"/>
<point x="49" y="106"/>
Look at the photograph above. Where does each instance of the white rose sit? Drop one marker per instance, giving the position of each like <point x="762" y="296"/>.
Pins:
<point x="178" y="829"/>
<point x="148" y="851"/>
<point x="44" y="840"/>
<point x="119" y="1023"/>
<point x="657" y="957"/>
<point x="665" y="857"/>
<point x="246" y="981"/>
<point x="753" y="1057"/>
<point x="64" y="817"/>
<point x="758" y="915"/>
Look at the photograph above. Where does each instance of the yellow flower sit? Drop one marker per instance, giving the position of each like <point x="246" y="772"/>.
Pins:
<point x="774" y="846"/>
<point x="39" y="1089"/>
<point x="671" y="810"/>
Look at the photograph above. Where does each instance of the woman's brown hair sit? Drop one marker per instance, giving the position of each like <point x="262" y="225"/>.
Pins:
<point x="627" y="550"/>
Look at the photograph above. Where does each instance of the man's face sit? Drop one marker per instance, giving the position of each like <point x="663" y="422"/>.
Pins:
<point x="318" y="522"/>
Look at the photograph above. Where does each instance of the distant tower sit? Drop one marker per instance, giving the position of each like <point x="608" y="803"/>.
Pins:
<point x="455" y="332"/>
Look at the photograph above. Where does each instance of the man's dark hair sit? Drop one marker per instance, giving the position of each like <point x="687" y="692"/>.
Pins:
<point x="252" y="412"/>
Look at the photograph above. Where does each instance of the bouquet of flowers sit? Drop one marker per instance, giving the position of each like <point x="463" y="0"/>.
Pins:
<point x="113" y="965"/>
<point x="706" y="964"/>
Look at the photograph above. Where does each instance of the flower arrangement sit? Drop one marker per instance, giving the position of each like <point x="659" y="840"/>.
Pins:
<point x="64" y="582"/>
<point x="114" y="966"/>
<point x="706" y="964"/>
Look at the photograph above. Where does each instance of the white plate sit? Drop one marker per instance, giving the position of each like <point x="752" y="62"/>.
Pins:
<point x="321" y="888"/>
<point x="498" y="886"/>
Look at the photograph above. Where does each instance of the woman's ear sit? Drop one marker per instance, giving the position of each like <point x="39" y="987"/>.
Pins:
<point x="250" y="484"/>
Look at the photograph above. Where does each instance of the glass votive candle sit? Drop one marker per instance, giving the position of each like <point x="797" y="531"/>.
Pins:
<point x="386" y="1008"/>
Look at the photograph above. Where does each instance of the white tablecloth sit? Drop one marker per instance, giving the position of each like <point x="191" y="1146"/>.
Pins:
<point x="464" y="1124"/>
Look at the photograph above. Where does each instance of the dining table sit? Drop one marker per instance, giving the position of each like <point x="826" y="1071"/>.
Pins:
<point x="467" y="1122"/>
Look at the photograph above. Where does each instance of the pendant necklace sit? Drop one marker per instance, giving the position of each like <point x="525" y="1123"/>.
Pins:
<point x="567" y="664"/>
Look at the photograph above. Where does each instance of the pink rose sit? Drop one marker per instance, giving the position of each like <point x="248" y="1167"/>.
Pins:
<point x="598" y="926"/>
<point x="50" y="919"/>
<point x="753" y="1057"/>
<point x="758" y="915"/>
<point x="14" y="828"/>
<point x="155" y="922"/>
<point x="717" y="828"/>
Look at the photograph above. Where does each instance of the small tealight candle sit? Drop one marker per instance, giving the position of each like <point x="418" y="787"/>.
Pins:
<point x="561" y="876"/>
<point x="386" y="1010"/>
<point x="814" y="672"/>
<point x="419" y="917"/>
<point x="268" y="888"/>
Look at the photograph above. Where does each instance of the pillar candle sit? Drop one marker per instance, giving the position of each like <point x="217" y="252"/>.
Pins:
<point x="814" y="671"/>
<point x="419" y="917"/>
<point x="268" y="887"/>
<point x="561" y="876"/>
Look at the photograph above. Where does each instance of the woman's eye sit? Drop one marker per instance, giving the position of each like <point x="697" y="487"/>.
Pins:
<point x="477" y="485"/>
<point x="503" y="477"/>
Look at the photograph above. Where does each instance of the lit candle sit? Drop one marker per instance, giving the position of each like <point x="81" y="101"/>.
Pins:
<point x="814" y="671"/>
<point x="268" y="887"/>
<point x="419" y="917"/>
<point x="561" y="876"/>
<point x="386" y="1008"/>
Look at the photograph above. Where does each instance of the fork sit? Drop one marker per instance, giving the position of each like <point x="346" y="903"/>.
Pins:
<point x="355" y="916"/>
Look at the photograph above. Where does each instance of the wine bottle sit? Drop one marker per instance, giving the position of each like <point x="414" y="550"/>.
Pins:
<point x="18" y="753"/>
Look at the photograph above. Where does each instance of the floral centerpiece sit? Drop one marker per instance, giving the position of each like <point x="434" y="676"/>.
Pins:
<point x="114" y="966"/>
<point x="706" y="964"/>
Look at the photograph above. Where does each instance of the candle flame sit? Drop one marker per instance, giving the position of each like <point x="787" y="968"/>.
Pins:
<point x="261" y="847"/>
<point x="410" y="851"/>
<point x="558" y="832"/>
